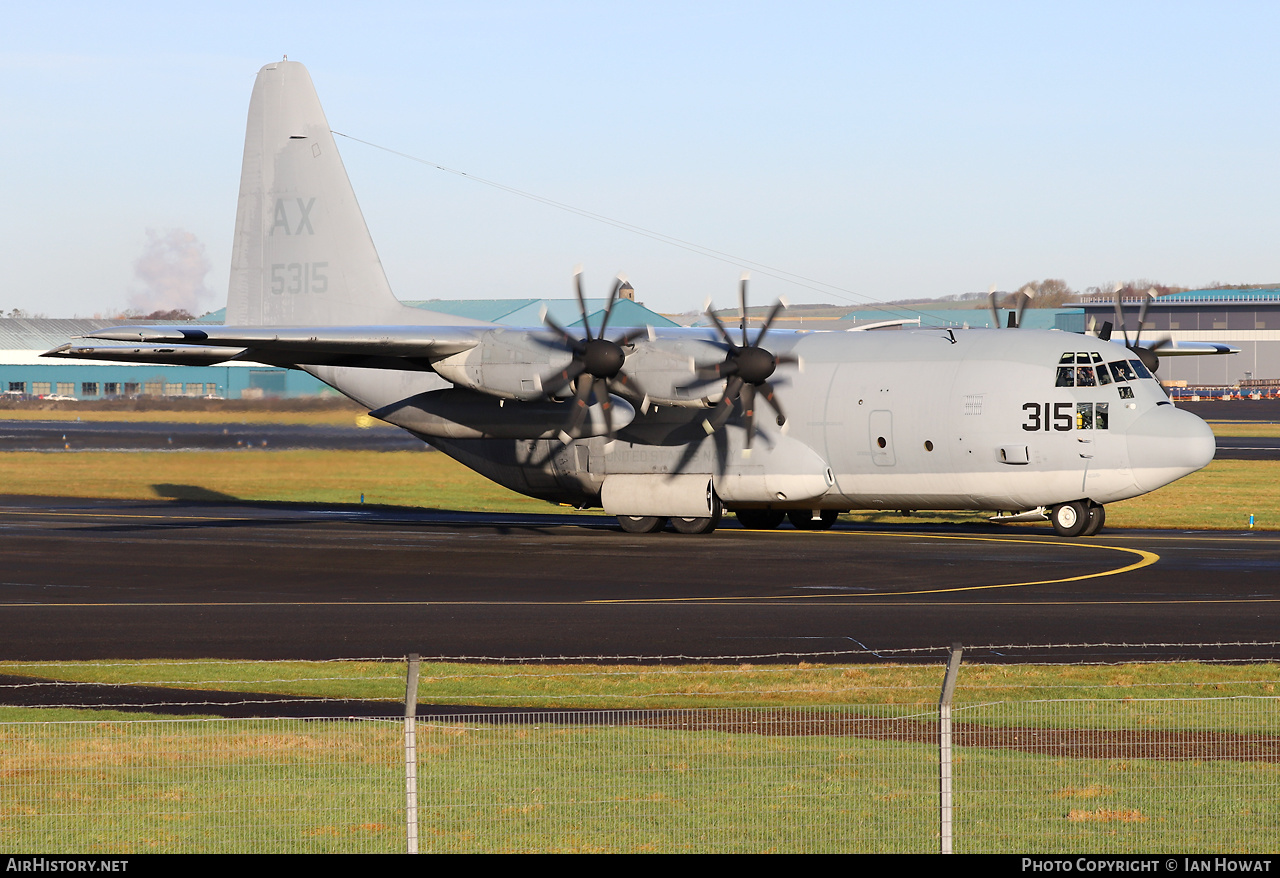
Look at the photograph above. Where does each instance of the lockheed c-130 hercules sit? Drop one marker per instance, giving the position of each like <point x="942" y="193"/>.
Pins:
<point x="660" y="426"/>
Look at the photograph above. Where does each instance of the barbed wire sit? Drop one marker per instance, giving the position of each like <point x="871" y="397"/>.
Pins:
<point x="939" y="651"/>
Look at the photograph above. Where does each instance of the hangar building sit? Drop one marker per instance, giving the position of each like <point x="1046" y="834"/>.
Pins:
<point x="1247" y="319"/>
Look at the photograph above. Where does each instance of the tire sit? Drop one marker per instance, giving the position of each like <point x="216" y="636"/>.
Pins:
<point x="700" y="525"/>
<point x="760" y="519"/>
<point x="802" y="519"/>
<point x="641" y="524"/>
<point x="1097" y="515"/>
<point x="1070" y="519"/>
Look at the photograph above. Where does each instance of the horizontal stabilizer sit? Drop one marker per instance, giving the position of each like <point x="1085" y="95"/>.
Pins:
<point x="161" y="356"/>
<point x="301" y="344"/>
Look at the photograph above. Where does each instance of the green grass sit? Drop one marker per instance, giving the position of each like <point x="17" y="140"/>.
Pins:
<point x="306" y="786"/>
<point x="553" y="686"/>
<point x="397" y="478"/>
<point x="1245" y="429"/>
<point x="100" y="786"/>
<point x="338" y="417"/>
<point x="1221" y="496"/>
<point x="186" y="787"/>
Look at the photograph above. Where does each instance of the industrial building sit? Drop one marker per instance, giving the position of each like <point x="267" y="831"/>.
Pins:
<point x="1247" y="319"/>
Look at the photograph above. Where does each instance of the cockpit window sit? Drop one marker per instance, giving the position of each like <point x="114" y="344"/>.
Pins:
<point x="1121" y="371"/>
<point x="1086" y="369"/>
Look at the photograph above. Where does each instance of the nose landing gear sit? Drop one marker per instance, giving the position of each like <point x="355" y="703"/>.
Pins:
<point x="1081" y="518"/>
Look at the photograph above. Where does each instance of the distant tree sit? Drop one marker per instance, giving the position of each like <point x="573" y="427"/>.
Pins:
<point x="175" y="314"/>
<point x="1048" y="293"/>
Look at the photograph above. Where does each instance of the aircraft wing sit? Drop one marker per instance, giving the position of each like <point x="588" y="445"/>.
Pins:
<point x="1190" y="348"/>
<point x="375" y="347"/>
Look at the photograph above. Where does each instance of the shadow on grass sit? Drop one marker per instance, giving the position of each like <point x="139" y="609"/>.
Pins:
<point x="192" y="492"/>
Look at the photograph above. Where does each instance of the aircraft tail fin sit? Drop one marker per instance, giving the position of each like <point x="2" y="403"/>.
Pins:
<point x="302" y="254"/>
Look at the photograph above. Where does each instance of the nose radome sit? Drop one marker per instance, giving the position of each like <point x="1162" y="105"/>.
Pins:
<point x="1166" y="444"/>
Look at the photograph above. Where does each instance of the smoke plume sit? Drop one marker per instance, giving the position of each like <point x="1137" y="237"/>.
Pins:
<point x="171" y="270"/>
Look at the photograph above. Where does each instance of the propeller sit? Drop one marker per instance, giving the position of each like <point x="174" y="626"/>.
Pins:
<point x="596" y="365"/>
<point x="1148" y="356"/>
<point x="747" y="368"/>
<point x="1023" y="299"/>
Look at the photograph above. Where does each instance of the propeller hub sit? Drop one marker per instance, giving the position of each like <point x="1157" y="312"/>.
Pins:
<point x="755" y="365"/>
<point x="1148" y="357"/>
<point x="603" y="358"/>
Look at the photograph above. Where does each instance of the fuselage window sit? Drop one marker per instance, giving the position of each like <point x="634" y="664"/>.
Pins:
<point x="1100" y="415"/>
<point x="1126" y="392"/>
<point x="1084" y="416"/>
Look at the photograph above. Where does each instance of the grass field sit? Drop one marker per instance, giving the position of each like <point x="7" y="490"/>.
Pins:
<point x="252" y="786"/>
<point x="337" y="412"/>
<point x="859" y="777"/>
<point x="1220" y="496"/>
<point x="554" y="686"/>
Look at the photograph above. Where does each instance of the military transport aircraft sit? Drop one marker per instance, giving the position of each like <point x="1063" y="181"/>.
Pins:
<point x="660" y="426"/>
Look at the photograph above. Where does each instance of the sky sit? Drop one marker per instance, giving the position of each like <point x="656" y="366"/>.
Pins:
<point x="876" y="150"/>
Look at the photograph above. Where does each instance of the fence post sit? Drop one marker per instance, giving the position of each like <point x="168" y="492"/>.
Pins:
<point x="944" y="750"/>
<point x="411" y="755"/>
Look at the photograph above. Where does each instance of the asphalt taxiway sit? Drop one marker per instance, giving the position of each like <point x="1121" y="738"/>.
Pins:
<point x="85" y="579"/>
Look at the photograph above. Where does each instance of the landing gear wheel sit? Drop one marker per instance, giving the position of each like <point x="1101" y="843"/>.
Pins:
<point x="802" y="519"/>
<point x="1097" y="515"/>
<point x="760" y="519"/>
<point x="641" y="524"/>
<point x="1070" y="519"/>
<point x="700" y="525"/>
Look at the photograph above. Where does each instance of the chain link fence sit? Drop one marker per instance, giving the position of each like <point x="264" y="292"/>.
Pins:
<point x="1100" y="772"/>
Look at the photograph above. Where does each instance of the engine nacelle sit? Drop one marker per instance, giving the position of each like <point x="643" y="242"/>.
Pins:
<point x="507" y="363"/>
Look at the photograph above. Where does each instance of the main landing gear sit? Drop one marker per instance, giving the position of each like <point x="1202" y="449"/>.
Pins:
<point x="1082" y="518"/>
<point x="645" y="524"/>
